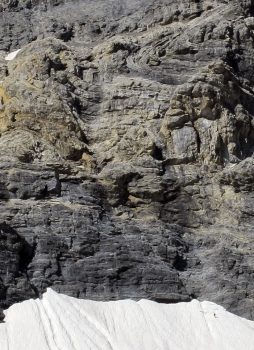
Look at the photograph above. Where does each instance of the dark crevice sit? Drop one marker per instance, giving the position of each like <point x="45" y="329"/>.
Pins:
<point x="1" y="316"/>
<point x="198" y="142"/>
<point x="36" y="291"/>
<point x="121" y="270"/>
<point x="122" y="184"/>
<point x="180" y="263"/>
<point x="77" y="106"/>
<point x="193" y="296"/>
<point x="43" y="193"/>
<point x="67" y="34"/>
<point x="58" y="189"/>
<point x="26" y="255"/>
<point x="222" y="151"/>
<point x="59" y="269"/>
<point x="55" y="66"/>
<point x="171" y="299"/>
<point x="232" y="60"/>
<point x="157" y="153"/>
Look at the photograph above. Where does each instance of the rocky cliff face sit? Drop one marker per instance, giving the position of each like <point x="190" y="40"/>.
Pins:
<point x="126" y="150"/>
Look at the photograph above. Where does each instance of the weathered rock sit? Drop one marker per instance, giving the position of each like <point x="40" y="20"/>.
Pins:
<point x="126" y="150"/>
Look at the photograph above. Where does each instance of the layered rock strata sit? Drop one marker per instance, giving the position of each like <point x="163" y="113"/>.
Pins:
<point x="126" y="150"/>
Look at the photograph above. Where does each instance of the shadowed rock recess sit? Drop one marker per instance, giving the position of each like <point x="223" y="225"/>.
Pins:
<point x="126" y="150"/>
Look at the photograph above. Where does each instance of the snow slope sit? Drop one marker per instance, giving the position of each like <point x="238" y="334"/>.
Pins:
<point x="59" y="322"/>
<point x="12" y="55"/>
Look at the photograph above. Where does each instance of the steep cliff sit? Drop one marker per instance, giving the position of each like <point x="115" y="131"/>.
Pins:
<point x="127" y="136"/>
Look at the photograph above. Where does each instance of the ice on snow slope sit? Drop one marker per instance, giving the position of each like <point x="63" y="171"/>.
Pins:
<point x="59" y="322"/>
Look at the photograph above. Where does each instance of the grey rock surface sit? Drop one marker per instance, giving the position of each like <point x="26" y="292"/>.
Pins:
<point x="126" y="150"/>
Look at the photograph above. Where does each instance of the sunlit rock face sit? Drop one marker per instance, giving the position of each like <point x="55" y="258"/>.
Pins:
<point x="126" y="150"/>
<point x="60" y="322"/>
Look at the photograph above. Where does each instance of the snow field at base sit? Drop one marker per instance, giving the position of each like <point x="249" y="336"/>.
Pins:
<point x="59" y="322"/>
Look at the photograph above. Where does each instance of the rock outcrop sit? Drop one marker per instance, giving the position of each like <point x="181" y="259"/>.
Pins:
<point x="126" y="150"/>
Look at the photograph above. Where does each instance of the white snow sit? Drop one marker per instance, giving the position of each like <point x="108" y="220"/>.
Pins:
<point x="59" y="322"/>
<point x="12" y="55"/>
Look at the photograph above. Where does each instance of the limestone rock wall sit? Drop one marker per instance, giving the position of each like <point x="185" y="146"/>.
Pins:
<point x="126" y="150"/>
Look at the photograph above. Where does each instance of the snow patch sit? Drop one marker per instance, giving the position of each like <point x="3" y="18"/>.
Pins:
<point x="12" y="55"/>
<point x="59" y="322"/>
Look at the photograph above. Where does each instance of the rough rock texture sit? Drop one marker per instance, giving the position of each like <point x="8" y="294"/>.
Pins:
<point x="126" y="150"/>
